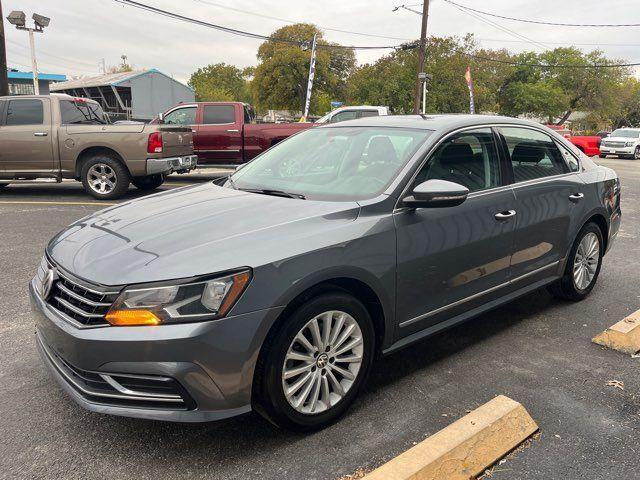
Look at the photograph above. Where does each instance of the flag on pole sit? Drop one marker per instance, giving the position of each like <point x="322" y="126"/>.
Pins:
<point x="312" y="72"/>
<point x="467" y="77"/>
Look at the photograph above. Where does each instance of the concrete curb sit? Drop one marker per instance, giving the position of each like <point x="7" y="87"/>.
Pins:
<point x="466" y="448"/>
<point x="624" y="336"/>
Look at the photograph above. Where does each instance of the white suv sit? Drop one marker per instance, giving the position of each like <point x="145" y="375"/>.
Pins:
<point x="351" y="113"/>
<point x="624" y="142"/>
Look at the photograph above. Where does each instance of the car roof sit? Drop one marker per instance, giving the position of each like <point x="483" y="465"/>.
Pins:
<point x="432" y="122"/>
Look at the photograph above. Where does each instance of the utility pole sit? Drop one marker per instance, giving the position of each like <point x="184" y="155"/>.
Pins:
<point x="4" y="82"/>
<point x="421" y="55"/>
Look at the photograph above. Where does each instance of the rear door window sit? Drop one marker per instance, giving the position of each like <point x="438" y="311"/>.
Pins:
<point x="24" y="112"/>
<point x="219" y="114"/>
<point x="80" y="113"/>
<point x="368" y="113"/>
<point x="533" y="154"/>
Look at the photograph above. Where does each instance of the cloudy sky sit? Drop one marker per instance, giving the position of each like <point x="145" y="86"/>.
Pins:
<point x="83" y="32"/>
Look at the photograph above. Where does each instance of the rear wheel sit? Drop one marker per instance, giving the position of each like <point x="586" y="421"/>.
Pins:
<point x="150" y="182"/>
<point x="583" y="265"/>
<point x="312" y="370"/>
<point x="3" y="186"/>
<point x="105" y="177"/>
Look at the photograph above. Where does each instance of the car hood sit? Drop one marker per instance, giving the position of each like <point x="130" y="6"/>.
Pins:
<point x="193" y="231"/>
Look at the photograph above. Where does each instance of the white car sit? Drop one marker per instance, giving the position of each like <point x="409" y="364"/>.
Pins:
<point x="624" y="142"/>
<point x="351" y="113"/>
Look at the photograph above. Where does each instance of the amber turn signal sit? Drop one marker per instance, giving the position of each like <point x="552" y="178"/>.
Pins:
<point x="131" y="318"/>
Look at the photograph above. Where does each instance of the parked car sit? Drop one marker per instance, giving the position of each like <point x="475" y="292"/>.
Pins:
<point x="341" y="114"/>
<point x="603" y="133"/>
<point x="623" y="142"/>
<point x="588" y="144"/>
<point x="58" y="136"/>
<point x="224" y="133"/>
<point x="275" y="291"/>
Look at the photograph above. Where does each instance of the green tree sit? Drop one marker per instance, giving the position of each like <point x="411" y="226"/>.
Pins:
<point x="220" y="82"/>
<point x="280" y="79"/>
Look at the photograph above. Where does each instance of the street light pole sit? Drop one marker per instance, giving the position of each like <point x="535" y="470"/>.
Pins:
<point x="421" y="56"/>
<point x="34" y="64"/>
<point x="18" y="18"/>
<point x="4" y="82"/>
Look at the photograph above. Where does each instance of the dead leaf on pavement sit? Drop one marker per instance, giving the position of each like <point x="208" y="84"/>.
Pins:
<point x="616" y="384"/>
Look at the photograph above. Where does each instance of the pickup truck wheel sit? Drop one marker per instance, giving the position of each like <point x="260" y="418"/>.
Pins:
<point x="636" y="153"/>
<point x="150" y="182"/>
<point x="3" y="186"/>
<point x="105" y="177"/>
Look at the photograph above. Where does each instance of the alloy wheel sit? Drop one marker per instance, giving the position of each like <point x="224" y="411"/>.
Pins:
<point x="102" y="178"/>
<point x="322" y="362"/>
<point x="585" y="263"/>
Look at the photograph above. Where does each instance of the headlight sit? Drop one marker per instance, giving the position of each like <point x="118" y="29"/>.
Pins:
<point x="190" y="302"/>
<point x="628" y="144"/>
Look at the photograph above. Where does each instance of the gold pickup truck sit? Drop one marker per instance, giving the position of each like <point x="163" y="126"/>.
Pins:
<point x="58" y="136"/>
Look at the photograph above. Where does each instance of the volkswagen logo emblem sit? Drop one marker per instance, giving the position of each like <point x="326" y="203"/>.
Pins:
<point x="50" y="276"/>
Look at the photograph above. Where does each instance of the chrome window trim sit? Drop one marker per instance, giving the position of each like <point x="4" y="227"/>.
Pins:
<point x="476" y="295"/>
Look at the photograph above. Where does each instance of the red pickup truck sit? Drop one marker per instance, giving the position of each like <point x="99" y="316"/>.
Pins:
<point x="588" y="144"/>
<point x="224" y="133"/>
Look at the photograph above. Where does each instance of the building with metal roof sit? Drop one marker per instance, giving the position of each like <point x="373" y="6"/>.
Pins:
<point x="21" y="83"/>
<point x="135" y="95"/>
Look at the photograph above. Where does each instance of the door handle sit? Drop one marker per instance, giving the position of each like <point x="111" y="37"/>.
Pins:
<point x="40" y="134"/>
<point x="575" y="197"/>
<point x="506" y="215"/>
<point x="233" y="130"/>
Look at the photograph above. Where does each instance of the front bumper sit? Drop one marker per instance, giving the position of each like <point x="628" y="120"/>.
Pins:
<point x="616" y="150"/>
<point x="172" y="164"/>
<point x="211" y="362"/>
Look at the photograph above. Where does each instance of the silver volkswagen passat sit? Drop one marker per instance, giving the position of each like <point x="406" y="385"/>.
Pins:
<point x="275" y="290"/>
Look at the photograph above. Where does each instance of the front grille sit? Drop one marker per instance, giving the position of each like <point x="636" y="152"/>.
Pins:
<point x="119" y="389"/>
<point x="613" y="144"/>
<point x="85" y="304"/>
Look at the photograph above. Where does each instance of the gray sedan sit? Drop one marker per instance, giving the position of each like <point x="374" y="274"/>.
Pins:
<point x="275" y="291"/>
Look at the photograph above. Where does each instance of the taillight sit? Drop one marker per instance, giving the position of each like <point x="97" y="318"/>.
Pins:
<point x="154" y="145"/>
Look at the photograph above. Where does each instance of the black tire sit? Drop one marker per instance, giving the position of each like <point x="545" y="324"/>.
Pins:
<point x="3" y="186"/>
<point x="150" y="182"/>
<point x="269" y="396"/>
<point x="118" y="174"/>
<point x="566" y="287"/>
<point x="636" y="153"/>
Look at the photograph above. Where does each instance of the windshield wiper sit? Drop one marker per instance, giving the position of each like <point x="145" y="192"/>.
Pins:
<point x="275" y="193"/>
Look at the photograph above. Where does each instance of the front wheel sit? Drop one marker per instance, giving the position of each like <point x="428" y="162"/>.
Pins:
<point x="313" y="368"/>
<point x="105" y="178"/>
<point x="636" y="153"/>
<point x="150" y="182"/>
<point x="583" y="265"/>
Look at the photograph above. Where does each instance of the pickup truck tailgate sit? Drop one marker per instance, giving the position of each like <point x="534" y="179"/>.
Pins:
<point x="176" y="141"/>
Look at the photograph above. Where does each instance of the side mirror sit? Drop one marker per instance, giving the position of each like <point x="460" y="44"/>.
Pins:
<point x="436" y="194"/>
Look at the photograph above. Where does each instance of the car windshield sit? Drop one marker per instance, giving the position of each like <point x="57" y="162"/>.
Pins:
<point x="626" y="133"/>
<point x="81" y="111"/>
<point x="339" y="163"/>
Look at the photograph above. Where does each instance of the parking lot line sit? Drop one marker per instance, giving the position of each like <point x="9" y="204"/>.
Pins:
<point x="34" y="202"/>
<point x="466" y="448"/>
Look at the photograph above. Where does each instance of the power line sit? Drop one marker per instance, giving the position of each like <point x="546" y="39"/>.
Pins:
<point x="269" y="17"/>
<point x="504" y="29"/>
<point x="539" y="22"/>
<point x="42" y="52"/>
<point x="551" y="65"/>
<point x="243" y="33"/>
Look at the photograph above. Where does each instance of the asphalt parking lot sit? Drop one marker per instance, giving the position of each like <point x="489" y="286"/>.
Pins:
<point x="536" y="350"/>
